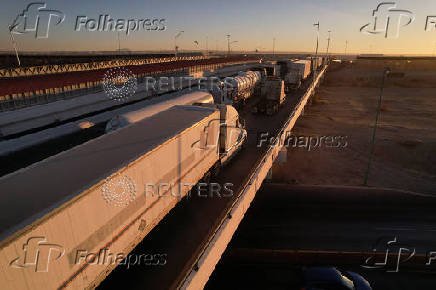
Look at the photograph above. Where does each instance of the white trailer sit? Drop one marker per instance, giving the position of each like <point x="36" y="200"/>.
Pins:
<point x="187" y="97"/>
<point x="316" y="62"/>
<point x="298" y="71"/>
<point x="272" y="96"/>
<point x="68" y="220"/>
<point x="302" y="66"/>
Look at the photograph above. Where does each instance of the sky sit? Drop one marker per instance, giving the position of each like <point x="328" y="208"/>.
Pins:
<point x="252" y="24"/>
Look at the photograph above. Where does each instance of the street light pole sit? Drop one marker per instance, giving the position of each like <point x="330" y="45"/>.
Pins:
<point x="328" y="46"/>
<point x="274" y="46"/>
<point x="228" y="44"/>
<point x="386" y="71"/>
<point x="175" y="42"/>
<point x="316" y="50"/>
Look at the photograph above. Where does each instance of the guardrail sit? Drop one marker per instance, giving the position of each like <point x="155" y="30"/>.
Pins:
<point x="75" y="67"/>
<point x="208" y="256"/>
<point x="91" y="84"/>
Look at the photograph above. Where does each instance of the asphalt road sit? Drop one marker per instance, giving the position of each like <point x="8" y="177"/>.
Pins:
<point x="289" y="226"/>
<point x="181" y="233"/>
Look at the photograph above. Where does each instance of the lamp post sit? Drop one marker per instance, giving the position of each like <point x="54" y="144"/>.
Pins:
<point x="228" y="44"/>
<point x="274" y="46"/>
<point x="328" y="46"/>
<point x="386" y="71"/>
<point x="176" y="48"/>
<point x="316" y="50"/>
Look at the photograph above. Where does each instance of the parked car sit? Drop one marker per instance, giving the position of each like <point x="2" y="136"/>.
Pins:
<point x="331" y="278"/>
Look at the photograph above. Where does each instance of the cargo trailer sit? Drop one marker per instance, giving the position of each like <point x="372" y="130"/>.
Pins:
<point x="80" y="210"/>
<point x="187" y="97"/>
<point x="272" y="96"/>
<point x="299" y="70"/>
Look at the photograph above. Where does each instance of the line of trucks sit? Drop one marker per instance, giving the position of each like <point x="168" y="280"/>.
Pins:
<point x="106" y="195"/>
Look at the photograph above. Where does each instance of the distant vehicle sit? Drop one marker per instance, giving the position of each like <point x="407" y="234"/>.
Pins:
<point x="272" y="96"/>
<point x="326" y="278"/>
<point x="293" y="72"/>
<point x="299" y="70"/>
<point x="236" y="90"/>
<point x="182" y="98"/>
<point x="316" y="62"/>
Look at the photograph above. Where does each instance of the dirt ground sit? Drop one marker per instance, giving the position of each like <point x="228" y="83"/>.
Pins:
<point x="345" y="108"/>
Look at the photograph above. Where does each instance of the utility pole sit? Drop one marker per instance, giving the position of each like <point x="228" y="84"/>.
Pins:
<point x="207" y="45"/>
<point x="274" y="46"/>
<point x="316" y="50"/>
<point x="228" y="44"/>
<point x="14" y="44"/>
<point x="386" y="71"/>
<point x="176" y="48"/>
<point x="328" y="45"/>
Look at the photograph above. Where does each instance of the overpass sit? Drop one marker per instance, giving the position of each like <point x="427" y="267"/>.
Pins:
<point x="194" y="234"/>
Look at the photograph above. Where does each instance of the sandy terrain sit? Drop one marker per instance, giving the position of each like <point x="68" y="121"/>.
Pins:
<point x="405" y="146"/>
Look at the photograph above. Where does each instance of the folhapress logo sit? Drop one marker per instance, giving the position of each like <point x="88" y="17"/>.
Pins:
<point x="393" y="253"/>
<point x="36" y="18"/>
<point x="38" y="254"/>
<point x="388" y="20"/>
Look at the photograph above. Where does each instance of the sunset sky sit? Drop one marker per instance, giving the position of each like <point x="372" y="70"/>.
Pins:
<point x="252" y="23"/>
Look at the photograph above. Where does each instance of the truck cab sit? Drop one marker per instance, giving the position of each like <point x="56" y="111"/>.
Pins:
<point x="232" y="135"/>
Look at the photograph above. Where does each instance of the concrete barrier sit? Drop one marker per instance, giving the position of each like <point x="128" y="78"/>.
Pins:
<point x="203" y="267"/>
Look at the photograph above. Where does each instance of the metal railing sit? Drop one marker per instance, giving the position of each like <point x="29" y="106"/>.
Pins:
<point x="26" y="99"/>
<point x="249" y="180"/>
<point x="75" y="67"/>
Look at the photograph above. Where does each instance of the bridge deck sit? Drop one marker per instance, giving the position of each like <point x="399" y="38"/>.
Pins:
<point x="183" y="231"/>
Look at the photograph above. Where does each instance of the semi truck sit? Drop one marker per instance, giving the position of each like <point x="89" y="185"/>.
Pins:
<point x="298" y="71"/>
<point x="272" y="96"/>
<point x="236" y="90"/>
<point x="316" y="62"/>
<point x="85" y="209"/>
